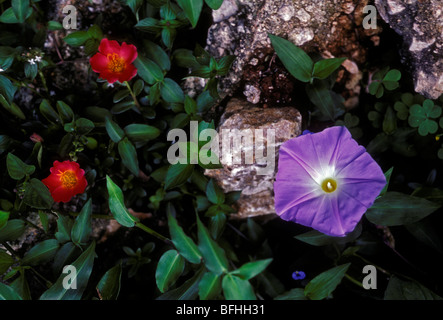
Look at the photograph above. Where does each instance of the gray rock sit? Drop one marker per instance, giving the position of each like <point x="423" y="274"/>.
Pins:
<point x="420" y="23"/>
<point x="330" y="27"/>
<point x="255" y="183"/>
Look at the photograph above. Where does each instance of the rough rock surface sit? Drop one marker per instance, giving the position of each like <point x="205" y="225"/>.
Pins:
<point x="331" y="28"/>
<point x="420" y="23"/>
<point x="257" y="188"/>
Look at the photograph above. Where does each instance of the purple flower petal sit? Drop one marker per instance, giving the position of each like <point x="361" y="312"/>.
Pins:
<point x="326" y="181"/>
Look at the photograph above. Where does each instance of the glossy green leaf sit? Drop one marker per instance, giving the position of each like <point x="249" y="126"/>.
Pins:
<point x="251" y="269"/>
<point x="117" y="205"/>
<point x="109" y="285"/>
<point x="388" y="175"/>
<point x="328" y="102"/>
<point x="213" y="255"/>
<point x="14" y="228"/>
<point x="5" y="262"/>
<point x="169" y="269"/>
<point x="128" y="154"/>
<point x="114" y="131"/>
<point x="192" y="9"/>
<point x="187" y="291"/>
<point x="399" y="289"/>
<point x="65" y="111"/>
<point x="178" y="174"/>
<point x="77" y="38"/>
<point x="64" y="227"/>
<point x="83" y="265"/>
<point x="48" y="112"/>
<point x="235" y="288"/>
<point x="293" y="294"/>
<point x="40" y="253"/>
<point x="214" y="193"/>
<point x="149" y="25"/>
<point x="84" y="126"/>
<point x="17" y="169"/>
<point x="8" y="293"/>
<point x="4" y="216"/>
<point x="12" y="108"/>
<point x="20" y="8"/>
<point x="82" y="227"/>
<point x="325" y="283"/>
<point x="214" y="4"/>
<point x="141" y="132"/>
<point x="21" y="286"/>
<point x="395" y="208"/>
<point x="210" y="286"/>
<point x="324" y="68"/>
<point x="171" y="91"/>
<point x="37" y="195"/>
<point x="7" y="89"/>
<point x="425" y="232"/>
<point x="67" y="253"/>
<point x="184" y="244"/>
<point x="296" y="61"/>
<point x="148" y="70"/>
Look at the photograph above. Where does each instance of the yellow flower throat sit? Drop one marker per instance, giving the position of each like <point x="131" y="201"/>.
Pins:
<point x="115" y="63"/>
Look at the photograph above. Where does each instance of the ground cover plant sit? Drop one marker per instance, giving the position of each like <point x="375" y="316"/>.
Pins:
<point x="92" y="208"/>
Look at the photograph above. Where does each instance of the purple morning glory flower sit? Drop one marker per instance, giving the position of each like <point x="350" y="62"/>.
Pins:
<point x="326" y="181"/>
<point x="298" y="275"/>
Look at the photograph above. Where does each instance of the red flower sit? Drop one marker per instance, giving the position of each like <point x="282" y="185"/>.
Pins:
<point x="65" y="181"/>
<point x="114" y="62"/>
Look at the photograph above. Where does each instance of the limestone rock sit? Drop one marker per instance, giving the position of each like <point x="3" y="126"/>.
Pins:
<point x="420" y="23"/>
<point x="329" y="27"/>
<point x="249" y="178"/>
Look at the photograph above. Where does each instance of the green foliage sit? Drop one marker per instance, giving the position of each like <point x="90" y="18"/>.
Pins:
<point x="421" y="117"/>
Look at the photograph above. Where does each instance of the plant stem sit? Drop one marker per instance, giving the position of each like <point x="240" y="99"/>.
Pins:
<point x="153" y="233"/>
<point x="354" y="281"/>
<point x="369" y="262"/>
<point x="133" y="95"/>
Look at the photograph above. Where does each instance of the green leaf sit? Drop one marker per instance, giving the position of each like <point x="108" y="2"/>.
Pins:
<point x="169" y="269"/>
<point x="83" y="126"/>
<point x="77" y="38"/>
<point x="317" y="238"/>
<point x="235" y="288"/>
<point x="396" y="208"/>
<point x="40" y="253"/>
<point x="64" y="227"/>
<point x="214" y="193"/>
<point x="114" y="131"/>
<point x="328" y="102"/>
<point x="178" y="174"/>
<point x="14" y="228"/>
<point x="49" y="112"/>
<point x="8" y="293"/>
<point x="54" y="25"/>
<point x="20" y="285"/>
<point x="135" y="6"/>
<point x="17" y="169"/>
<point x="141" y="132"/>
<point x="393" y="75"/>
<point x="157" y="54"/>
<point x="210" y="286"/>
<point x="117" y="205"/>
<point x="129" y="156"/>
<point x="187" y="291"/>
<point x="4" y="216"/>
<point x="7" y="89"/>
<point x="37" y="195"/>
<point x="296" y="61"/>
<point x="425" y="232"/>
<point x="31" y="70"/>
<point x="185" y="58"/>
<point x="109" y="285"/>
<point x="67" y="253"/>
<point x="184" y="244"/>
<point x="213" y="255"/>
<point x="192" y="9"/>
<point x="251" y="269"/>
<point x="20" y="8"/>
<point x="171" y="91"/>
<point x="214" y="4"/>
<point x="12" y="108"/>
<point x="5" y="262"/>
<point x="399" y="289"/>
<point x="324" y="68"/>
<point x="148" y="70"/>
<point x="224" y="65"/>
<point x="388" y="175"/>
<point x="293" y="294"/>
<point x="148" y="25"/>
<point x="82" y="227"/>
<point x="325" y="283"/>
<point x="83" y="265"/>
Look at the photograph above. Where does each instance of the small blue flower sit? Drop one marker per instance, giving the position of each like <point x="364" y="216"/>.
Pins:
<point x="306" y="132"/>
<point x="298" y="275"/>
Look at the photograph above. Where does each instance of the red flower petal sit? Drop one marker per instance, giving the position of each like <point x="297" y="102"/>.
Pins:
<point x="99" y="62"/>
<point x="109" y="46"/>
<point x="128" y="52"/>
<point x="129" y="73"/>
